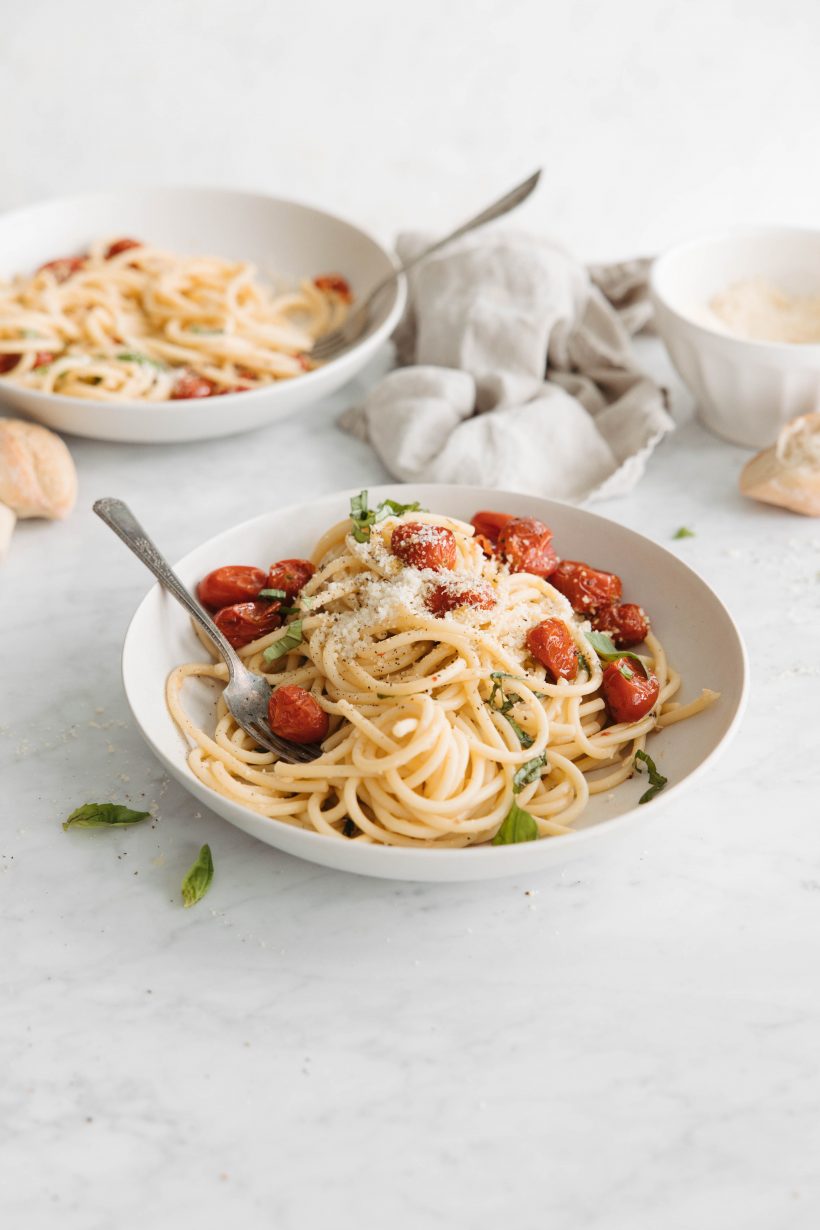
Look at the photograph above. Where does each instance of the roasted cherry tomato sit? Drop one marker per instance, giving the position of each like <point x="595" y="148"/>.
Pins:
<point x="629" y="692"/>
<point x="420" y="545"/>
<point x="295" y="714"/>
<point x="44" y="356"/>
<point x="490" y="524"/>
<point x="450" y="595"/>
<point x="551" y="644"/>
<point x="63" y="267"/>
<point x="191" y="385"/>
<point x="246" y="621"/>
<point x="234" y="583"/>
<point x="335" y="284"/>
<point x="231" y="388"/>
<point x="587" y="589"/>
<point x="526" y="546"/>
<point x="8" y="361"/>
<point x="626" y="624"/>
<point x="121" y="245"/>
<point x="291" y="575"/>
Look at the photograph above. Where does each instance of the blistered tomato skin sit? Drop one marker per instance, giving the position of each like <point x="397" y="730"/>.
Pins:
<point x="293" y="713"/>
<point x="525" y="544"/>
<point x="551" y="644"/>
<point x="190" y="385"/>
<point x="488" y="524"/>
<point x="291" y="575"/>
<point x="420" y="545"/>
<point x="247" y="621"/>
<point x="225" y="586"/>
<point x="334" y="283"/>
<point x="449" y="597"/>
<point x="63" y="267"/>
<point x="626" y="624"/>
<point x="121" y="245"/>
<point x="588" y="589"/>
<point x="8" y="361"/>
<point x="629" y="693"/>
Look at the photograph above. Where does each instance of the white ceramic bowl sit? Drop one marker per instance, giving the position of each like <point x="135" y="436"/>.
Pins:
<point x="284" y="240"/>
<point x="745" y="390"/>
<point x="698" y="632"/>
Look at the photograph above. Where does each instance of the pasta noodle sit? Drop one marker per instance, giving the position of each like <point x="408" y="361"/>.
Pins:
<point x="129" y="321"/>
<point x="439" y="724"/>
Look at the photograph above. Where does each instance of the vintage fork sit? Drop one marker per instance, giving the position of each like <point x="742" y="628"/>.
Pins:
<point x="246" y="694"/>
<point x="330" y="345"/>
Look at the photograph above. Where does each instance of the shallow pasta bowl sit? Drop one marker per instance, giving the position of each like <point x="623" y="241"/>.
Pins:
<point x="697" y="631"/>
<point x="285" y="240"/>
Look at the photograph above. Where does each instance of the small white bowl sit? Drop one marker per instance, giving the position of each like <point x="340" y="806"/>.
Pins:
<point x="283" y="239"/>
<point x="745" y="390"/>
<point x="694" y="626"/>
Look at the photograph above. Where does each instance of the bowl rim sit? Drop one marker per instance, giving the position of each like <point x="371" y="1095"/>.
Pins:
<point x="150" y="409"/>
<point x="790" y="350"/>
<point x="379" y="854"/>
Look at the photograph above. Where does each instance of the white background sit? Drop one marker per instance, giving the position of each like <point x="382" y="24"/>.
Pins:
<point x="634" y="1045"/>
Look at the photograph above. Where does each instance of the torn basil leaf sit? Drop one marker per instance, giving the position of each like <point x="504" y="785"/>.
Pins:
<point x="657" y="781"/>
<point x="363" y="518"/>
<point x="518" y="825"/>
<point x="198" y="878"/>
<point x="291" y="640"/>
<point x="529" y="772"/>
<point x="606" y="650"/>
<point x="683" y="532"/>
<point x="272" y="593"/>
<point x="103" y="816"/>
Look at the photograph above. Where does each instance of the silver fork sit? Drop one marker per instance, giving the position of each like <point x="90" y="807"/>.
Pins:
<point x="329" y="345"/>
<point x="246" y="694"/>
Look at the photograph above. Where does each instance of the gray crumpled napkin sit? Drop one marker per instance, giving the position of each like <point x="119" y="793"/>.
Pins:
<point x="487" y="319"/>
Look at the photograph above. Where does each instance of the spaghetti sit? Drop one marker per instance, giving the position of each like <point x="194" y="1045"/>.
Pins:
<point x="421" y="670"/>
<point x="129" y="321"/>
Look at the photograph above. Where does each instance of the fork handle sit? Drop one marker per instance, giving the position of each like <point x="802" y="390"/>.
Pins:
<point x="118" y="517"/>
<point x="497" y="210"/>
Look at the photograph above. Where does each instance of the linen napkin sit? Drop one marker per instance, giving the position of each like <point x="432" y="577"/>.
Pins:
<point x="517" y="371"/>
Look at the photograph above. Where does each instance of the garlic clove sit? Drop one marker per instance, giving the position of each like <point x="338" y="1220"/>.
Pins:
<point x="788" y="472"/>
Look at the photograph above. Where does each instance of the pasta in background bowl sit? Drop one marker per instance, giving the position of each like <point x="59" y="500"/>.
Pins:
<point x="695" y="629"/>
<point x="222" y="294"/>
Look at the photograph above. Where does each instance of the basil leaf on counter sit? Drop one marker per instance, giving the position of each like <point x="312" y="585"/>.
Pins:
<point x="683" y="532"/>
<point x="291" y="640"/>
<point x="518" y="825"/>
<point x="657" y="781"/>
<point x="529" y="771"/>
<point x="198" y="878"/>
<point x="103" y="815"/>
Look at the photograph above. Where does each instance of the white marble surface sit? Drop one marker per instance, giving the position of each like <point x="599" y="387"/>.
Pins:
<point x="627" y="1044"/>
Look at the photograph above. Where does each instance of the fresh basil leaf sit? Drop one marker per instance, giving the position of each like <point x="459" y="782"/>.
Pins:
<point x="624" y="670"/>
<point x="605" y="648"/>
<point x="307" y="603"/>
<point x="523" y="738"/>
<point x="103" y="815"/>
<point x="133" y="356"/>
<point x="291" y="640"/>
<point x="361" y="517"/>
<point x="391" y="508"/>
<point x="271" y="593"/>
<point x="518" y="825"/>
<point x="657" y="781"/>
<point x="198" y="878"/>
<point x="517" y="679"/>
<point x="529" y="771"/>
<point x="683" y="532"/>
